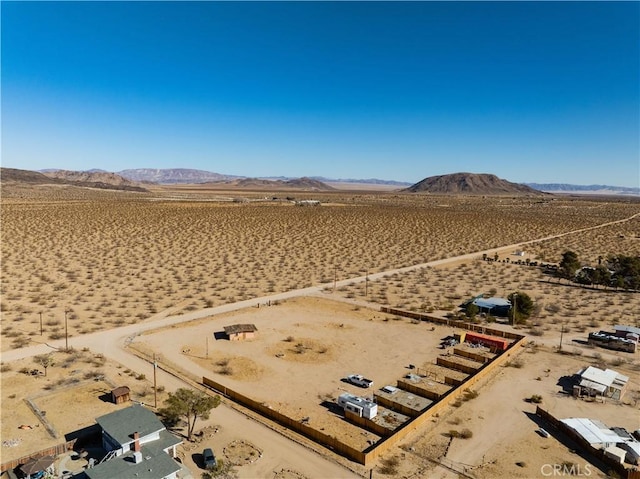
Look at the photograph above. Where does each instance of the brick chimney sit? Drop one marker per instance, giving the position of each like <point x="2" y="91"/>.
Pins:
<point x="136" y="442"/>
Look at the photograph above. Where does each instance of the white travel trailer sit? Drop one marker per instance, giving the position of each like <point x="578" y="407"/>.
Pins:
<point x="361" y="406"/>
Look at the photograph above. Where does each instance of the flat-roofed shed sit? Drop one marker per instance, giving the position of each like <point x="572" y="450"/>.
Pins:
<point x="237" y="332"/>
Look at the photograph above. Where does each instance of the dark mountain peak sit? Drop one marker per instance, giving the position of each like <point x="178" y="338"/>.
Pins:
<point x="469" y="183"/>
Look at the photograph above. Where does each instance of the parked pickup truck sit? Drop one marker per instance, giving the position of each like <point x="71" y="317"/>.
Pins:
<point x="359" y="380"/>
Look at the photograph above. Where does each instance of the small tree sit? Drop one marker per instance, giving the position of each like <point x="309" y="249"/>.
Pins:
<point x="191" y="405"/>
<point x="569" y="265"/>
<point x="521" y="306"/>
<point x="44" y="360"/>
<point x="471" y="310"/>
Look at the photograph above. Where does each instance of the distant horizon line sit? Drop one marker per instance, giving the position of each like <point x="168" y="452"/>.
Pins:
<point x="346" y="180"/>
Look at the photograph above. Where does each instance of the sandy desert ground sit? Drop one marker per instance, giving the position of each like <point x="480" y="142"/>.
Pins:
<point x="109" y="259"/>
<point x="308" y="344"/>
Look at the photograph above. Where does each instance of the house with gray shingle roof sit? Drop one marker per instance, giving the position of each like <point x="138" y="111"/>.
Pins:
<point x="139" y="446"/>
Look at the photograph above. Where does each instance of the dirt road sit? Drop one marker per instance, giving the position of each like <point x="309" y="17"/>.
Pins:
<point x="109" y="341"/>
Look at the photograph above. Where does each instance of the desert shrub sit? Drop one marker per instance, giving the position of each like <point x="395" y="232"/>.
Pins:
<point x="470" y="394"/>
<point x="94" y="374"/>
<point x="141" y="377"/>
<point x="536" y="332"/>
<point x="466" y="434"/>
<point x="20" y="342"/>
<point x="515" y="363"/>
<point x="616" y="362"/>
<point x="289" y="339"/>
<point x="5" y="367"/>
<point x="521" y="464"/>
<point x="535" y="398"/>
<point x="226" y="370"/>
<point x="390" y="466"/>
<point x="222" y="362"/>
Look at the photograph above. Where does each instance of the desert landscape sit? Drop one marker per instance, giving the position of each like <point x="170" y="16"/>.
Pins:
<point x="78" y="262"/>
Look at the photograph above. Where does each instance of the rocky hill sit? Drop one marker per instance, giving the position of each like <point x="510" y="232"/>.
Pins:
<point x="470" y="183"/>
<point x="170" y="176"/>
<point x="94" y="176"/>
<point x="102" y="180"/>
<point x="13" y="175"/>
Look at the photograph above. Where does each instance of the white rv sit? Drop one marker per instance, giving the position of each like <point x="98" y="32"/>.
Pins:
<point x="361" y="406"/>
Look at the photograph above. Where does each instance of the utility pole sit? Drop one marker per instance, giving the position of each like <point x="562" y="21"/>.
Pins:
<point x="366" y="284"/>
<point x="561" y="333"/>
<point x="66" y="331"/>
<point x="155" y="382"/>
<point x="40" y="323"/>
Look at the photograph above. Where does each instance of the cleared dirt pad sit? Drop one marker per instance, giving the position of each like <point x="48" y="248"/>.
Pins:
<point x="305" y="354"/>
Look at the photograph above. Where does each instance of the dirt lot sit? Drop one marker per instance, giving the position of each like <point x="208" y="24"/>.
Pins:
<point x="309" y="345"/>
<point x="503" y="423"/>
<point x="71" y="395"/>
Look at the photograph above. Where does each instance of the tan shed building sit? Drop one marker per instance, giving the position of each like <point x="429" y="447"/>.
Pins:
<point x="238" y="332"/>
<point x="120" y="395"/>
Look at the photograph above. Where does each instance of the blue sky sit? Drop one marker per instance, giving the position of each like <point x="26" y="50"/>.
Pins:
<point x="531" y="92"/>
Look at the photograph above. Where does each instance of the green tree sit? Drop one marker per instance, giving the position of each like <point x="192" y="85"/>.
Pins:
<point x="601" y="275"/>
<point x="569" y="264"/>
<point x="627" y="268"/>
<point x="44" y="360"/>
<point x="471" y="310"/>
<point x="190" y="405"/>
<point x="521" y="307"/>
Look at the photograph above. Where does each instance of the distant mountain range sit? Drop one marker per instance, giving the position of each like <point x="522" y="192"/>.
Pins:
<point x="470" y="183"/>
<point x="456" y="183"/>
<point x="101" y="180"/>
<point x="173" y="175"/>
<point x="295" y="183"/>
<point x="563" y="187"/>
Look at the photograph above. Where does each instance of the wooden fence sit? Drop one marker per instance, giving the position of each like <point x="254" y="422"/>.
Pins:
<point x="50" y="451"/>
<point x="598" y="454"/>
<point x="295" y="425"/>
<point x="396" y="406"/>
<point x="479" y="328"/>
<point x="368" y="424"/>
<point x="465" y="368"/>
<point x="480" y="358"/>
<point x="453" y="381"/>
<point x="371" y="454"/>
<point x="380" y="448"/>
<point x="418" y="389"/>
